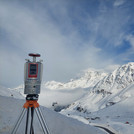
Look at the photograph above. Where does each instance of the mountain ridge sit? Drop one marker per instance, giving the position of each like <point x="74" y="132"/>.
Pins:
<point x="88" y="79"/>
<point x="110" y="90"/>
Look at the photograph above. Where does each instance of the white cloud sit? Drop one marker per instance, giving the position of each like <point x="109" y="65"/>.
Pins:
<point x="111" y="68"/>
<point x="130" y="38"/>
<point x="49" y="30"/>
<point x="62" y="55"/>
<point x="119" y="2"/>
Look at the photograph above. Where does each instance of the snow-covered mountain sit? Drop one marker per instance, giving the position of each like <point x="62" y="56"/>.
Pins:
<point x="118" y="79"/>
<point x="110" y="101"/>
<point x="111" y="89"/>
<point x="88" y="79"/>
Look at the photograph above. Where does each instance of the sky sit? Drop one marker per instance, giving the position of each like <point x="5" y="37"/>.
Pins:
<point x="70" y="35"/>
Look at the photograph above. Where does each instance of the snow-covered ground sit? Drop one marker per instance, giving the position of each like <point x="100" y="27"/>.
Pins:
<point x="119" y="116"/>
<point x="10" y="109"/>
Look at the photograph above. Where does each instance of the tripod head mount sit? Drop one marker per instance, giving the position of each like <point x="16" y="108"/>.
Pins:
<point x="32" y="97"/>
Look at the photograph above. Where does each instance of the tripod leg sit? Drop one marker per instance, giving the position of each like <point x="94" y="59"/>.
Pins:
<point x="27" y="119"/>
<point x="42" y="120"/>
<point x="32" y="115"/>
<point x="19" y="121"/>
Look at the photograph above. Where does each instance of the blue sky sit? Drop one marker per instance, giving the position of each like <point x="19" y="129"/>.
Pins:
<point x="70" y="35"/>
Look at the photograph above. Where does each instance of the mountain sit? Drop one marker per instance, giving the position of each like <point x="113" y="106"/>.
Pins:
<point x="109" y="102"/>
<point x="111" y="89"/>
<point x="88" y="79"/>
<point x="118" y="79"/>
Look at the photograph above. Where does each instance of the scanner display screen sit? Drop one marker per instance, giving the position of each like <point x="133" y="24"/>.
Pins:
<point x="33" y="69"/>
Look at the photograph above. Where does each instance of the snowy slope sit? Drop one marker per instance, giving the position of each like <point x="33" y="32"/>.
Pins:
<point x="10" y="93"/>
<point x="119" y="117"/>
<point x="118" y="79"/>
<point x="110" y="102"/>
<point x="87" y="79"/>
<point x="110" y="90"/>
<point x="58" y="124"/>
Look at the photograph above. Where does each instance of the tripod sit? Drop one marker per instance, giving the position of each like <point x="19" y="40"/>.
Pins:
<point x="31" y="103"/>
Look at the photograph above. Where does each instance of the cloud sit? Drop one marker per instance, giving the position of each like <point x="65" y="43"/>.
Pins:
<point x="25" y="33"/>
<point x="11" y="72"/>
<point x="111" y="68"/>
<point x="119" y="2"/>
<point x="70" y="37"/>
<point x="130" y="38"/>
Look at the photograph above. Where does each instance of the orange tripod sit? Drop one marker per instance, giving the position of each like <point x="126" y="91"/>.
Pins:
<point x="31" y="103"/>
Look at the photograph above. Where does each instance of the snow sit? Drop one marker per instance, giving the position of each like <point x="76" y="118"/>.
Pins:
<point x="88" y="79"/>
<point x="117" y="115"/>
<point x="10" y="92"/>
<point x="113" y="88"/>
<point x="10" y="108"/>
<point x="110" y="102"/>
